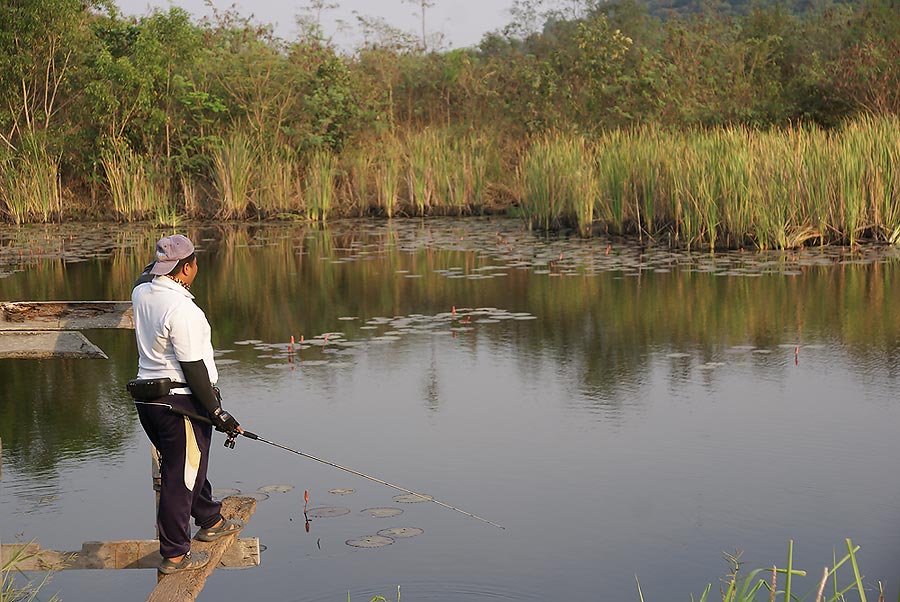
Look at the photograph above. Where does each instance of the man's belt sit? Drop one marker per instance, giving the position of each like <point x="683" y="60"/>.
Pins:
<point x="147" y="389"/>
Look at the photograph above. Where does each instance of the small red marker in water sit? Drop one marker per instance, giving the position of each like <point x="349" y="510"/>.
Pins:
<point x="453" y="310"/>
<point x="608" y="247"/>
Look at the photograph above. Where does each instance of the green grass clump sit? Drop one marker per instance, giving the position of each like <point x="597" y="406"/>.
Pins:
<point x="558" y="184"/>
<point x="726" y="187"/>
<point x="234" y="164"/>
<point x="30" y="184"/>
<point x="25" y="590"/>
<point x="319" y="185"/>
<point x="135" y="185"/>
<point x="762" y="585"/>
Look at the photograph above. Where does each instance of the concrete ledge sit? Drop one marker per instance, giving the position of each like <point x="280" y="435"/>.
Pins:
<point x="128" y="554"/>
<point x="65" y="315"/>
<point x="47" y="344"/>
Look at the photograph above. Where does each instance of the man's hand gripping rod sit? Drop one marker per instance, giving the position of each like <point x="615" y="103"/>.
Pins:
<point x="230" y="443"/>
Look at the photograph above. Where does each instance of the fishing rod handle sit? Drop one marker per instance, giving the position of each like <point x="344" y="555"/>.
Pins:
<point x="206" y="420"/>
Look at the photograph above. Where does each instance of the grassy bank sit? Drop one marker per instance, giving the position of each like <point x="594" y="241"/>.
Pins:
<point x="715" y="188"/>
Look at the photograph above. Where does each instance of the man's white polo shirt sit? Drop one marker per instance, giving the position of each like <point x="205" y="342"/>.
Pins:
<point x="170" y="328"/>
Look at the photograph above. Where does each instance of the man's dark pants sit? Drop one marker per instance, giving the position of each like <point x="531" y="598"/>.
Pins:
<point x="178" y="503"/>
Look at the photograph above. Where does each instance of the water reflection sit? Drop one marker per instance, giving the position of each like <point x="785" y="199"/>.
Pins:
<point x="663" y="405"/>
<point x="603" y="309"/>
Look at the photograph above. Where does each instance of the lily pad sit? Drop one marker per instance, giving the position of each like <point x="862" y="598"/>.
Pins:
<point x="412" y="498"/>
<point x="401" y="532"/>
<point x="223" y="493"/>
<point x="370" y="541"/>
<point x="382" y="512"/>
<point x="327" y="512"/>
<point x="278" y="488"/>
<point x="342" y="491"/>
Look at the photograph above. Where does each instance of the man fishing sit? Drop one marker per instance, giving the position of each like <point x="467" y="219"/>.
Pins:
<point x="176" y="369"/>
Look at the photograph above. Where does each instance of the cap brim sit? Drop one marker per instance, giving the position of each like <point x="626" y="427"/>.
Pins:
<point x="161" y="268"/>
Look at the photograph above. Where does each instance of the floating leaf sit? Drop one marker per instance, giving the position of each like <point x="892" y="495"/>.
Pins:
<point x="277" y="488"/>
<point x="327" y="512"/>
<point x="382" y="512"/>
<point x="412" y="498"/>
<point x="370" y="541"/>
<point x="401" y="532"/>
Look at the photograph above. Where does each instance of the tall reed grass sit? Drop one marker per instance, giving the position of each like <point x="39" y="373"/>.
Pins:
<point x="319" y="191"/>
<point x="388" y="177"/>
<point x="233" y="166"/>
<point x="558" y="183"/>
<point x="423" y="168"/>
<point x="278" y="190"/>
<point x="31" y="188"/>
<point x="136" y="186"/>
<point x="726" y="187"/>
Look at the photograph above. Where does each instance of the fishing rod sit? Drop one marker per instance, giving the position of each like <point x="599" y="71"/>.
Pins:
<point x="230" y="443"/>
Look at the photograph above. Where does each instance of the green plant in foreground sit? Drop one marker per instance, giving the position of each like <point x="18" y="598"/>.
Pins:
<point x="27" y="592"/>
<point x="737" y="588"/>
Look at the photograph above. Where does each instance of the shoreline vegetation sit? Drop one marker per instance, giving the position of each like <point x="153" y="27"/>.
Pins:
<point x="771" y="127"/>
<point x="738" y="585"/>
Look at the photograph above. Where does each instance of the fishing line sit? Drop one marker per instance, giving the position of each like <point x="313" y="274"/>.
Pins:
<point x="255" y="437"/>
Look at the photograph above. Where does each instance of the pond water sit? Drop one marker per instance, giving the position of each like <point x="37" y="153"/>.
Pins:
<point x="620" y="410"/>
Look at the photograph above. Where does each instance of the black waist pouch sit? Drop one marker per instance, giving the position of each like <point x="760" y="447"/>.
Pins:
<point x="148" y="389"/>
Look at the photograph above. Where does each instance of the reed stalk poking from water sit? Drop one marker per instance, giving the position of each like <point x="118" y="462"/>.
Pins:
<point x="739" y="588"/>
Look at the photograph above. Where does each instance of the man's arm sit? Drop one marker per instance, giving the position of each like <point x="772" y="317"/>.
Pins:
<point x="197" y="377"/>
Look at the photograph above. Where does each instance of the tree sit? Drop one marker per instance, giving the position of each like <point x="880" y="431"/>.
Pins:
<point x="423" y="5"/>
<point x="39" y="45"/>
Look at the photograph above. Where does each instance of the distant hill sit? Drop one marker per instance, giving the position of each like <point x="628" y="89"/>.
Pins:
<point x="666" y="8"/>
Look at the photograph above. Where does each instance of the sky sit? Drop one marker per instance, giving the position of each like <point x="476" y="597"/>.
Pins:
<point x="461" y="23"/>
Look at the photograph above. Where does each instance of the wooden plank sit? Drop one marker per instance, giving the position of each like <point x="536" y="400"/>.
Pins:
<point x="186" y="586"/>
<point x="47" y="344"/>
<point x="136" y="554"/>
<point x="65" y="315"/>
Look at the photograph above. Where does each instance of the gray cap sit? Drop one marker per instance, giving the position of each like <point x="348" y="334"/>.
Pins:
<point x="169" y="251"/>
